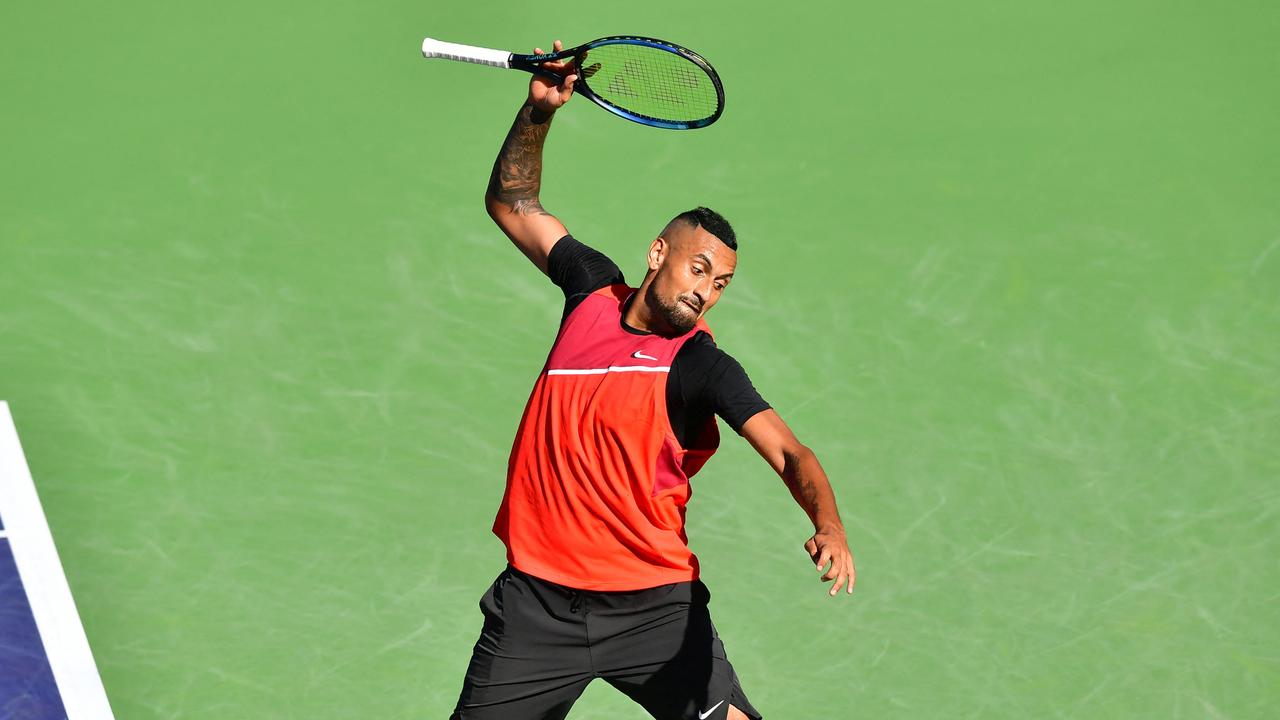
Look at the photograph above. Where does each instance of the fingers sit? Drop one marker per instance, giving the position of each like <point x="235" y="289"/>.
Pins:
<point x="837" y="572"/>
<point x="844" y="579"/>
<point x="563" y="65"/>
<point x="823" y="558"/>
<point x="556" y="66"/>
<point x="562" y="68"/>
<point x="841" y="570"/>
<point x="556" y="47"/>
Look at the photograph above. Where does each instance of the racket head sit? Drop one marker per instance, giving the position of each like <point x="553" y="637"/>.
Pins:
<point x="649" y="81"/>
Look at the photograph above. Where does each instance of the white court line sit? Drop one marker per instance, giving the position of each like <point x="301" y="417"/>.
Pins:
<point x="67" y="648"/>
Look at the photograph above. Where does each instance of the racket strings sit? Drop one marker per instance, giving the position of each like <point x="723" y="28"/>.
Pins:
<point x="651" y="82"/>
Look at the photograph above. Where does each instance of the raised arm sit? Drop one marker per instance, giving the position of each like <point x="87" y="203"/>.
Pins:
<point x="807" y="481"/>
<point x="514" y="185"/>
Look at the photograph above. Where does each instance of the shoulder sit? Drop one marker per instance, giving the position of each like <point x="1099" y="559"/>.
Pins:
<point x="701" y="350"/>
<point x="712" y="378"/>
<point x="579" y="270"/>
<point x="577" y="267"/>
<point x="701" y="364"/>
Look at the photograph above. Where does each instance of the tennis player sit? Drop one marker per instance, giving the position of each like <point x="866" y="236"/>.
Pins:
<point x="600" y="581"/>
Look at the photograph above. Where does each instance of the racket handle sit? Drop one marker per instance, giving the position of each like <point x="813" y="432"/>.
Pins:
<point x="465" y="53"/>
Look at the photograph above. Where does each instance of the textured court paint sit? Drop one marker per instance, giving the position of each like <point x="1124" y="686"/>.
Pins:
<point x="27" y="685"/>
<point x="46" y="666"/>
<point x="1010" y="268"/>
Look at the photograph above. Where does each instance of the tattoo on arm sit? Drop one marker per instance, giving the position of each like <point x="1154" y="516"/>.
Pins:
<point x="800" y="486"/>
<point x="804" y="490"/>
<point x="810" y="493"/>
<point x="810" y="487"/>
<point x="517" y="173"/>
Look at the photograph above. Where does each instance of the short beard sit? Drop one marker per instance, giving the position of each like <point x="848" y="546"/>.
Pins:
<point x="679" y="317"/>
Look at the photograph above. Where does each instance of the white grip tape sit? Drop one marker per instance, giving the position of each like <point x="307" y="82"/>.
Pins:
<point x="465" y="53"/>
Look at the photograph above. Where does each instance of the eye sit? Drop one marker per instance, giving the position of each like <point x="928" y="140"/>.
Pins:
<point x="697" y="270"/>
<point x="719" y="286"/>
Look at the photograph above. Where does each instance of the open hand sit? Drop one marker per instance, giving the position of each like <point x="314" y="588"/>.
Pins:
<point x="546" y="94"/>
<point x="829" y="545"/>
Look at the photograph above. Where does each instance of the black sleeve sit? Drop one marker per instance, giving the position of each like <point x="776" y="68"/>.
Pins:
<point x="708" y="380"/>
<point x="579" y="270"/>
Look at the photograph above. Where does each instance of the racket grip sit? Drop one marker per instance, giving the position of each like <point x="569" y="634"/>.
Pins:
<point x="465" y="53"/>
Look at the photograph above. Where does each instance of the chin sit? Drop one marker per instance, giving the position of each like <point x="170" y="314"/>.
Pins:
<point x="682" y="323"/>
<point x="678" y="316"/>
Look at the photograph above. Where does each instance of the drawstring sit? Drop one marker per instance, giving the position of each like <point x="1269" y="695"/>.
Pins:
<point x="575" y="602"/>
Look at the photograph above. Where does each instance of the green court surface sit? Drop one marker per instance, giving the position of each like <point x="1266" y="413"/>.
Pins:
<point x="1011" y="268"/>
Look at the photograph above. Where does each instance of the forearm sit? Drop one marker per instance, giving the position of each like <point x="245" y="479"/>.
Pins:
<point x="808" y="483"/>
<point x="516" y="179"/>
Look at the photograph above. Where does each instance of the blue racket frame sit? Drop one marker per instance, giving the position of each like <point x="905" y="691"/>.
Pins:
<point x="531" y="63"/>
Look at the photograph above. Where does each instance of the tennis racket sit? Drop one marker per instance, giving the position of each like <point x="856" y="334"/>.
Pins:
<point x="652" y="82"/>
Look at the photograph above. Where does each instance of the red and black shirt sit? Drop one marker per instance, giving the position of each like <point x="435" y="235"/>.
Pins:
<point x="598" y="477"/>
<point x="704" y="379"/>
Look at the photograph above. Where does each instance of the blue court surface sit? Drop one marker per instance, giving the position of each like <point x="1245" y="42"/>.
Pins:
<point x="46" y="667"/>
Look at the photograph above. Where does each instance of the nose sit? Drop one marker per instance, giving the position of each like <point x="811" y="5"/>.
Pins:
<point x="704" y="288"/>
<point x="702" y="297"/>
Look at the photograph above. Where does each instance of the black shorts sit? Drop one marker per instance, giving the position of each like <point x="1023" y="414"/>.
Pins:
<point x="542" y="643"/>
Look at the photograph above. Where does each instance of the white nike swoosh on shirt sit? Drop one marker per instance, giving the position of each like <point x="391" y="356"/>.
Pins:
<point x="641" y="356"/>
<point x="707" y="714"/>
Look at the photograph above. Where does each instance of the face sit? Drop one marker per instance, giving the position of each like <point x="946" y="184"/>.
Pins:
<point x="691" y="268"/>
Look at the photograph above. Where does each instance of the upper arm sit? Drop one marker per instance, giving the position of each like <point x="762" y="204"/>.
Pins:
<point x="773" y="439"/>
<point x="711" y="378"/>
<point x="530" y="227"/>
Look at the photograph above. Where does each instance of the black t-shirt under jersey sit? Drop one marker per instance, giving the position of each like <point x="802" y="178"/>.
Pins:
<point x="703" y="380"/>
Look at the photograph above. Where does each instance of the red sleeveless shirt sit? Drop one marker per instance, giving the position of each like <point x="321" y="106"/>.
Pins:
<point x="597" y="482"/>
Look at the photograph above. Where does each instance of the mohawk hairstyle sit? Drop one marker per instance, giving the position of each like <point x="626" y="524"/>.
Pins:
<point x="711" y="221"/>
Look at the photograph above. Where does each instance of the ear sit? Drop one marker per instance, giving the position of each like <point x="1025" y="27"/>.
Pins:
<point x="658" y="250"/>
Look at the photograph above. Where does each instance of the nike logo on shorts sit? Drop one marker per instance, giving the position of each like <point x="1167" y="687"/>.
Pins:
<point x="707" y="714"/>
<point x="641" y="356"/>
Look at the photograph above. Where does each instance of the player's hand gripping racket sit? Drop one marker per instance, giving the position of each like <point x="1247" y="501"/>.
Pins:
<point x="652" y="82"/>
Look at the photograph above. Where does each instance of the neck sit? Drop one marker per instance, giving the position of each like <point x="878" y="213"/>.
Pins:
<point x="640" y="316"/>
